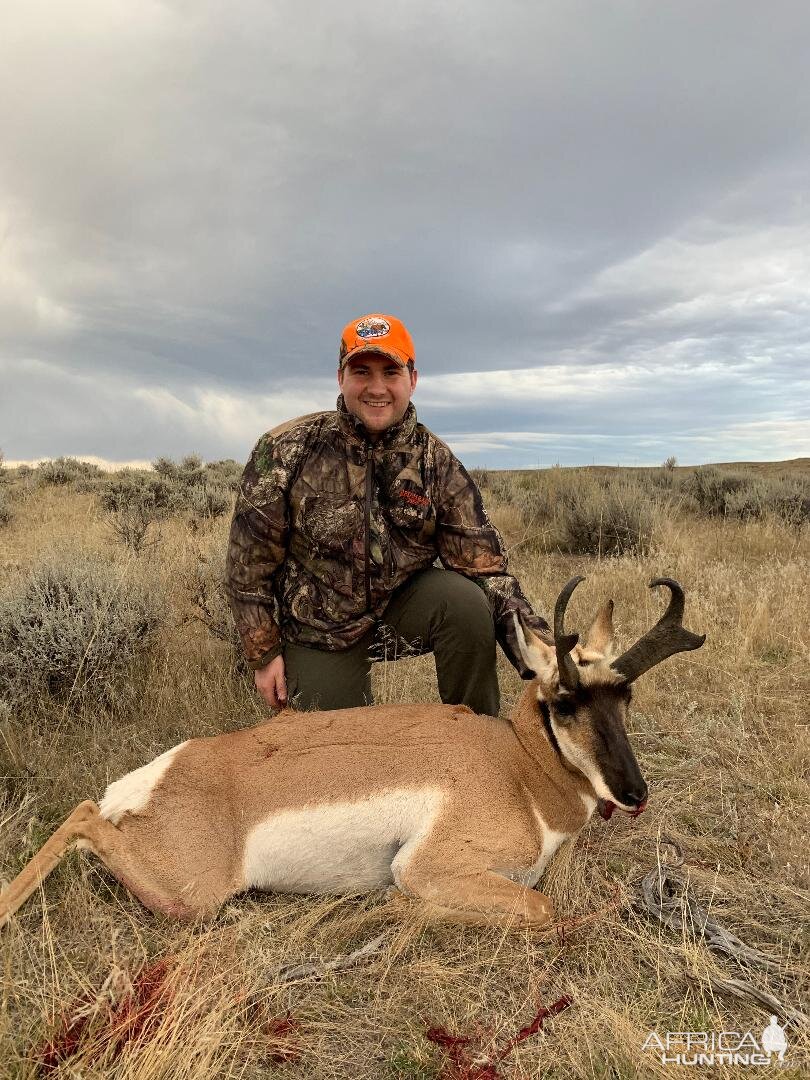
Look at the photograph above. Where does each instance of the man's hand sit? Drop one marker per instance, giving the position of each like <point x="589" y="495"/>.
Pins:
<point x="271" y="683"/>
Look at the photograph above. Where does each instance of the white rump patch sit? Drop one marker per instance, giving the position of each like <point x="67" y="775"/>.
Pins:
<point x="132" y="792"/>
<point x="345" y="847"/>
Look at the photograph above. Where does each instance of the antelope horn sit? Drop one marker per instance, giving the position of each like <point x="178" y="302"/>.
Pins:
<point x="666" y="638"/>
<point x="564" y="643"/>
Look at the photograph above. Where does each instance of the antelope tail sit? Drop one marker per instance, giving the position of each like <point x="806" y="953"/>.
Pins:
<point x="37" y="869"/>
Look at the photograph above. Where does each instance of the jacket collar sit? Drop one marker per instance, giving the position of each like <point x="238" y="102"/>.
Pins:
<point x="356" y="429"/>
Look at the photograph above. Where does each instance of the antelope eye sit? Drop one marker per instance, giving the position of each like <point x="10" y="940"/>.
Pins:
<point x="565" y="708"/>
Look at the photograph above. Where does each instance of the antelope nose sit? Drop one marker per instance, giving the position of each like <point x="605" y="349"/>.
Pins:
<point x="636" y="796"/>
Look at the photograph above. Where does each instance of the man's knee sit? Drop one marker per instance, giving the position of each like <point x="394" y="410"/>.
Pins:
<point x="317" y="679"/>
<point x="440" y="609"/>
<point x="464" y="645"/>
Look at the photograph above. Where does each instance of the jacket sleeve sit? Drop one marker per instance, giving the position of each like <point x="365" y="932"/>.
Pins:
<point x="257" y="547"/>
<point x="470" y="544"/>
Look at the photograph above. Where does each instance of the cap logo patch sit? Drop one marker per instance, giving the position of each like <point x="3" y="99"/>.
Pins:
<point x="373" y="327"/>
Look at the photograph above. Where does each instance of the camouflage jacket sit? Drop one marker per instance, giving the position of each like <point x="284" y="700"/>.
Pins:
<point x="327" y="524"/>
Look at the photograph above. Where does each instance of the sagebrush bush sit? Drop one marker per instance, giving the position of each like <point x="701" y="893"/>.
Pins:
<point x="711" y="487"/>
<point x="578" y="511"/>
<point x="135" y="499"/>
<point x="206" y="586"/>
<point x="661" y="481"/>
<point x="189" y="472"/>
<point x="207" y="502"/>
<point x="60" y="471"/>
<point x="227" y="472"/>
<point x="132" y="528"/>
<point x="6" y="513"/>
<point x="533" y="493"/>
<point x="204" y="583"/>
<point x="617" y="518"/>
<point x="89" y="483"/>
<point x="538" y="497"/>
<point x="138" y="490"/>
<point x="787" y="500"/>
<point x="66" y="470"/>
<point x="74" y="629"/>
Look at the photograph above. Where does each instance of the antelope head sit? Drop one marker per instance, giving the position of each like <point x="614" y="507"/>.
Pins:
<point x="584" y="692"/>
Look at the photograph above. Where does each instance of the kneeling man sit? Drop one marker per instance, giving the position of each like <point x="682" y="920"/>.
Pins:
<point x="339" y="519"/>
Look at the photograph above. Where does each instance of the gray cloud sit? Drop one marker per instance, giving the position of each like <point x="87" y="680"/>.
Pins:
<point x="193" y="201"/>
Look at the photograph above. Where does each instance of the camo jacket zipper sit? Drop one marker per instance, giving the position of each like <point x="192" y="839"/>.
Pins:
<point x="367" y="524"/>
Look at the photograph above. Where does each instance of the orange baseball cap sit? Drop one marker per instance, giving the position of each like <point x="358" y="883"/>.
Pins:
<point x="376" y="333"/>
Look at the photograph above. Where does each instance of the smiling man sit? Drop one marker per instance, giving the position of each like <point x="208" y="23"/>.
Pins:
<point x="339" y="519"/>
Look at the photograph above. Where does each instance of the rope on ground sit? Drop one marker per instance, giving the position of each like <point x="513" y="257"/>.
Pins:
<point x="745" y="990"/>
<point x="293" y="972"/>
<point x="667" y="898"/>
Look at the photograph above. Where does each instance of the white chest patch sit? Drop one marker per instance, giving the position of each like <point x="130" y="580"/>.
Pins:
<point x="532" y="874"/>
<point x="345" y="847"/>
<point x="133" y="791"/>
<point x="588" y="802"/>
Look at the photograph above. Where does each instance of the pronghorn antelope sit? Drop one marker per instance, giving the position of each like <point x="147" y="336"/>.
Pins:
<point x="458" y="810"/>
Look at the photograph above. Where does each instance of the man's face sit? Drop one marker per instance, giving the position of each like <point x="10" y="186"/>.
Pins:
<point x="376" y="390"/>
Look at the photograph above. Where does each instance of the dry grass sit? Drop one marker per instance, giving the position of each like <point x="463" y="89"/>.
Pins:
<point x="722" y="738"/>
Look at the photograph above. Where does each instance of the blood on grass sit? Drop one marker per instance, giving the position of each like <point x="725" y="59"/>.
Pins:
<point x="108" y="1029"/>
<point x="462" y="1065"/>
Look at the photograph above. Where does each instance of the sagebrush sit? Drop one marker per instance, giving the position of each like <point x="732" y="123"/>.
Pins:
<point x="6" y="511"/>
<point x="72" y="628"/>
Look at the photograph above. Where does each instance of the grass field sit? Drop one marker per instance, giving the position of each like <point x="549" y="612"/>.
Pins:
<point x="94" y="986"/>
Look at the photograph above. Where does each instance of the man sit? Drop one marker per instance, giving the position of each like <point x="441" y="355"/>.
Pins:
<point x="338" y="522"/>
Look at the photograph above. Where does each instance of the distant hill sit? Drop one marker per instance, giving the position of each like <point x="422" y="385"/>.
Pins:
<point x="799" y="465"/>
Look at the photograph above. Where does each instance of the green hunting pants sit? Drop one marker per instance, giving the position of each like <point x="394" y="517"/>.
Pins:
<point x="436" y="611"/>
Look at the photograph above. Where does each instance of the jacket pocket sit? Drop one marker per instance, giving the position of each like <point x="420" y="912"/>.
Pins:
<point x="330" y="525"/>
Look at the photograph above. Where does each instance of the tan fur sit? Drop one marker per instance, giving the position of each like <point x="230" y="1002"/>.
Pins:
<point x="499" y="794"/>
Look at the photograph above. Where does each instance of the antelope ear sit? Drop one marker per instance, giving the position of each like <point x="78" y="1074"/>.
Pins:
<point x="599" y="638"/>
<point x="539" y="658"/>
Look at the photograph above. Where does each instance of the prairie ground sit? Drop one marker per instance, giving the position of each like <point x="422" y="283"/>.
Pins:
<point x="93" y="986"/>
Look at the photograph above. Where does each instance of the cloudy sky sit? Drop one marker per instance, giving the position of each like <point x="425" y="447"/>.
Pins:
<point x="593" y="217"/>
